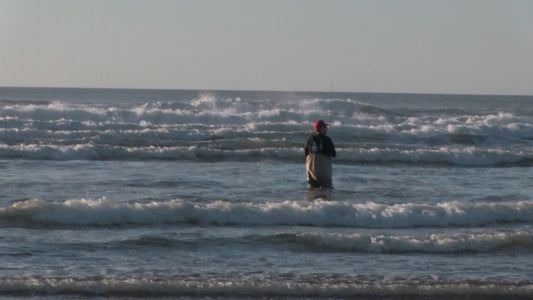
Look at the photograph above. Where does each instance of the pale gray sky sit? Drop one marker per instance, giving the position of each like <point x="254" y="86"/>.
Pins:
<point x="465" y="46"/>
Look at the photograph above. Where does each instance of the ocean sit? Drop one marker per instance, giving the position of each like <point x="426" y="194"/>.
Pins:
<point x="117" y="194"/>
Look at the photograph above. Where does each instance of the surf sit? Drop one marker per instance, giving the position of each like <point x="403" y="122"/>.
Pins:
<point x="104" y="212"/>
<point x="217" y="126"/>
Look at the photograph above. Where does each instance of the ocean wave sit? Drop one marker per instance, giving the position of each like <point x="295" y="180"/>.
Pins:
<point x="250" y="149"/>
<point x="436" y="243"/>
<point x="264" y="285"/>
<point x="103" y="212"/>
<point x="354" y="120"/>
<point x="488" y="241"/>
<point x="21" y="102"/>
<point x="451" y="155"/>
<point x="214" y="128"/>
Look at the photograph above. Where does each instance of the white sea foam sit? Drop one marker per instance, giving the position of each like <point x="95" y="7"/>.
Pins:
<point x="102" y="212"/>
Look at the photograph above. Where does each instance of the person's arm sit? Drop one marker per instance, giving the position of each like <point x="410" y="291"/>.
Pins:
<point x="308" y="146"/>
<point x="331" y="148"/>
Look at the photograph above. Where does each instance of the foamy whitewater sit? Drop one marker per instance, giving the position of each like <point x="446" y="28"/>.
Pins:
<point x="194" y="194"/>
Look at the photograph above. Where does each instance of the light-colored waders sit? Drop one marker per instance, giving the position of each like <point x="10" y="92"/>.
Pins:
<point x="318" y="170"/>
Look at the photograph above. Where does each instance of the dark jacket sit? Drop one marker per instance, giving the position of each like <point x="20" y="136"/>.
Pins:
<point x="322" y="144"/>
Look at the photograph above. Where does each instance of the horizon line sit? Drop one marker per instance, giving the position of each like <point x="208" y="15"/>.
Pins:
<point x="269" y="90"/>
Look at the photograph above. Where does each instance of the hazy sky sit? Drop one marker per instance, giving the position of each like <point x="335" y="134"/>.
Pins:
<point x="465" y="46"/>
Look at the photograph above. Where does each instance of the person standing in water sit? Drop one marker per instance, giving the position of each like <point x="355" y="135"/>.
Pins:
<point x="319" y="150"/>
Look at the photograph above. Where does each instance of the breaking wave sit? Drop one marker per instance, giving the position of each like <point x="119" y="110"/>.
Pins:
<point x="435" y="243"/>
<point x="488" y="241"/>
<point x="214" y="128"/>
<point x="102" y="212"/>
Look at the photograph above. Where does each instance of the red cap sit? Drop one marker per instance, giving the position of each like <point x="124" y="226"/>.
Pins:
<point x="319" y="124"/>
